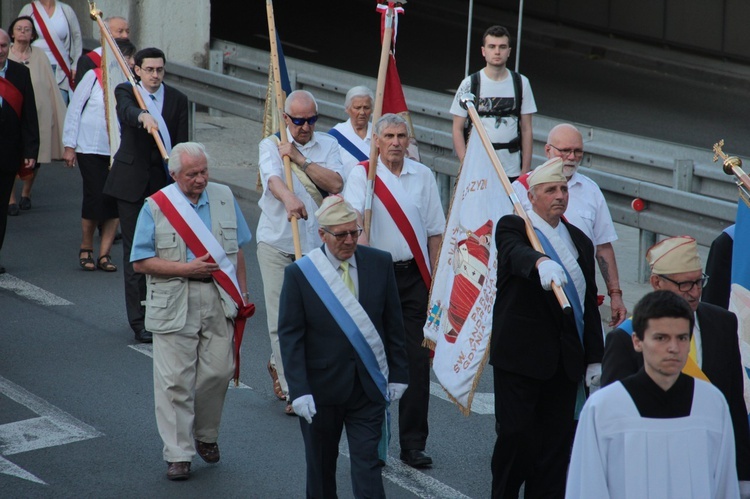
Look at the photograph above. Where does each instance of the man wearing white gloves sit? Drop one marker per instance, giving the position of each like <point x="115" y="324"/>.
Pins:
<point x="342" y="344"/>
<point x="540" y="355"/>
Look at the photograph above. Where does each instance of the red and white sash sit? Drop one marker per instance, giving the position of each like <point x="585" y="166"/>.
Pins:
<point x="402" y="222"/>
<point x="42" y="20"/>
<point x="176" y="208"/>
<point x="11" y="95"/>
<point x="95" y="57"/>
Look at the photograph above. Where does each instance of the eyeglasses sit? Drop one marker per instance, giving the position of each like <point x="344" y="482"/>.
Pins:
<point x="341" y="236"/>
<point x="567" y="152"/>
<point x="22" y="29"/>
<point x="686" y="286"/>
<point x="302" y="121"/>
<point x="151" y="70"/>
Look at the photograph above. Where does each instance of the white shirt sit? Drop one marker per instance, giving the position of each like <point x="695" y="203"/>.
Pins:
<point x="58" y="25"/>
<point x="85" y="128"/>
<point x="418" y="198"/>
<point x="587" y="209"/>
<point x="500" y="130"/>
<point x="347" y="130"/>
<point x="273" y="227"/>
<point x="158" y="97"/>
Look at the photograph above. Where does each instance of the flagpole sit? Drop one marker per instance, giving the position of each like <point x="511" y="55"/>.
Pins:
<point x="467" y="101"/>
<point x="282" y="126"/>
<point x="377" y="111"/>
<point x="468" y="37"/>
<point x="96" y="15"/>
<point x="518" y="36"/>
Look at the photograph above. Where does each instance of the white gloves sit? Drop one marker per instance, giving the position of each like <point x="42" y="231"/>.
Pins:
<point x="304" y="407"/>
<point x="396" y="390"/>
<point x="549" y="271"/>
<point x="593" y="372"/>
<point x="744" y="489"/>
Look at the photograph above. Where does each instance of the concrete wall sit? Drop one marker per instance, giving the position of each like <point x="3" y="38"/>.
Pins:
<point x="182" y="28"/>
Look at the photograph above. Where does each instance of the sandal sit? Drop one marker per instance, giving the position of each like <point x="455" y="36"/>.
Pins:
<point x="87" y="262"/>
<point x="105" y="263"/>
<point x="276" y="383"/>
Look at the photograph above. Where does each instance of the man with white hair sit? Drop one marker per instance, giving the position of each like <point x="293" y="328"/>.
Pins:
<point x="119" y="28"/>
<point x="355" y="134"/>
<point x="188" y="242"/>
<point x="587" y="210"/>
<point x="540" y="355"/>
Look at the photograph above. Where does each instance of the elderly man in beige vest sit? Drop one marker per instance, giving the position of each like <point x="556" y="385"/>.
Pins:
<point x="188" y="243"/>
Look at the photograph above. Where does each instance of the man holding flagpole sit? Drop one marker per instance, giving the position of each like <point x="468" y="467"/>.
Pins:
<point x="538" y="353"/>
<point x="408" y="222"/>
<point x="188" y="242"/>
<point x="342" y="343"/>
<point x="138" y="169"/>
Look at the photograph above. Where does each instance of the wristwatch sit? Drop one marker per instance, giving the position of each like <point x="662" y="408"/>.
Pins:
<point x="306" y="164"/>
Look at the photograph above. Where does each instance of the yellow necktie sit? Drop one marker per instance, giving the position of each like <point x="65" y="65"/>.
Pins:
<point x="693" y="349"/>
<point x="347" y="278"/>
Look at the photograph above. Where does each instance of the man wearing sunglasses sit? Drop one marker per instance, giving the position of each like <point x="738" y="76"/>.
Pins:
<point x="138" y="169"/>
<point x="714" y="353"/>
<point x="316" y="172"/>
<point x="587" y="210"/>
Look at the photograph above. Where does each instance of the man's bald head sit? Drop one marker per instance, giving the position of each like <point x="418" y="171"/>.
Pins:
<point x="4" y="47"/>
<point x="566" y="142"/>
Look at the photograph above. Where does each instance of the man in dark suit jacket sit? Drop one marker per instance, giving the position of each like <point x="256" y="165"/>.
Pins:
<point x="19" y="127"/>
<point x="339" y="377"/>
<point x="539" y="354"/>
<point x="676" y="266"/>
<point x="138" y="169"/>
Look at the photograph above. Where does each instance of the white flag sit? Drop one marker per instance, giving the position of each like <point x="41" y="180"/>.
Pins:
<point x="459" y="322"/>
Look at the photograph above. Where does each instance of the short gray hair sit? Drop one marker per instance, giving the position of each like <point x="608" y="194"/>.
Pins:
<point x="358" y="91"/>
<point x="189" y="149"/>
<point x="299" y="95"/>
<point x="387" y="120"/>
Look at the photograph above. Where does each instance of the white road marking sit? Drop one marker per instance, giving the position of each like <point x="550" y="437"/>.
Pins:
<point x="30" y="292"/>
<point x="147" y="349"/>
<point x="411" y="479"/>
<point x="482" y="403"/>
<point x="53" y="427"/>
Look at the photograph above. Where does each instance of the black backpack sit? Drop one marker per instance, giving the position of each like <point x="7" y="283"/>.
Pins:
<point x="515" y="144"/>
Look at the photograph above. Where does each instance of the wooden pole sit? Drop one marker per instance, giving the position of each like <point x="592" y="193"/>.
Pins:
<point x="282" y="125"/>
<point x="377" y="112"/>
<point x="96" y="15"/>
<point x="467" y="101"/>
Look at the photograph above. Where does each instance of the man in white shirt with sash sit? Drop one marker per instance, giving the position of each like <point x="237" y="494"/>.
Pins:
<point x="355" y="134"/>
<point x="188" y="242"/>
<point x="408" y="222"/>
<point x="540" y="355"/>
<point x="316" y="172"/>
<point x="659" y="432"/>
<point x="342" y="344"/>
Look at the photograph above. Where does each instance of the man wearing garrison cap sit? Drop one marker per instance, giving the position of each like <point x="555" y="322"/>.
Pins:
<point x="540" y="355"/>
<point x="714" y="349"/>
<point x="342" y="344"/>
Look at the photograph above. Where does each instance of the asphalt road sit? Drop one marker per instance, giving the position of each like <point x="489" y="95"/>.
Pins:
<point x="76" y="399"/>
<point x="569" y="85"/>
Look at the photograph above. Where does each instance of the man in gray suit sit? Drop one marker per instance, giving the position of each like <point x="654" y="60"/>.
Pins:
<point x="342" y="344"/>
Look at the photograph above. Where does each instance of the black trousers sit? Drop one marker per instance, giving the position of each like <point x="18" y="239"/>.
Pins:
<point x="413" y="406"/>
<point x="534" y="426"/>
<point x="7" y="180"/>
<point x="364" y="421"/>
<point x="135" y="283"/>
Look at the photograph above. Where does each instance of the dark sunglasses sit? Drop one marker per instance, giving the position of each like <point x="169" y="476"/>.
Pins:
<point x="302" y="121"/>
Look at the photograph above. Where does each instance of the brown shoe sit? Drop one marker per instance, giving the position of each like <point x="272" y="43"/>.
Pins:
<point x="276" y="383"/>
<point x="178" y="471"/>
<point x="208" y="452"/>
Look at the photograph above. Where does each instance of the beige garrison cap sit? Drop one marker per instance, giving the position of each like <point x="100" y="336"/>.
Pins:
<point x="335" y="211"/>
<point x="674" y="255"/>
<point x="549" y="171"/>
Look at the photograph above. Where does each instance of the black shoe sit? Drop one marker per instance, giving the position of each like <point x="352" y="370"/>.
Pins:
<point x="144" y="336"/>
<point x="2" y="269"/>
<point x="25" y="203"/>
<point x="416" y="458"/>
<point x="118" y="236"/>
<point x="13" y="210"/>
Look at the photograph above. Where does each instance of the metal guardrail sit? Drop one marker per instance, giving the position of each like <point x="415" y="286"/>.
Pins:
<point x="684" y="191"/>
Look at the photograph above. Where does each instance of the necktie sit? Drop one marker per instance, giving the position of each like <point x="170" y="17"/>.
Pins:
<point x="152" y="97"/>
<point x="347" y="278"/>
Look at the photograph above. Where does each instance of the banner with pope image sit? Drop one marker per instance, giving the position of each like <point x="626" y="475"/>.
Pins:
<point x="459" y="315"/>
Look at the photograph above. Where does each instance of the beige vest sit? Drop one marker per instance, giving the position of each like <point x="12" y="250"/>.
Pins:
<point x="167" y="297"/>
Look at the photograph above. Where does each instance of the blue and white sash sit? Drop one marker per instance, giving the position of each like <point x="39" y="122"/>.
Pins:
<point x="348" y="145"/>
<point x="154" y="111"/>
<point x="348" y="314"/>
